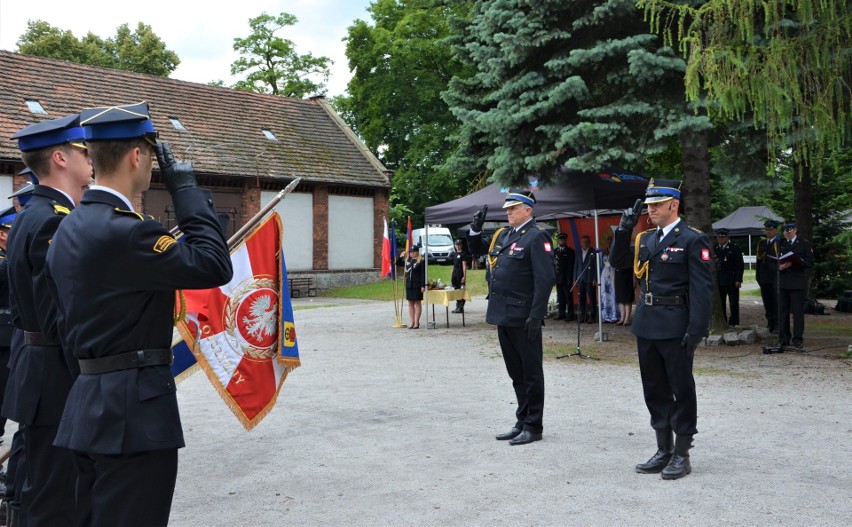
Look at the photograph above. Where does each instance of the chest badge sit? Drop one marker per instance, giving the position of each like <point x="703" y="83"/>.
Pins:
<point x="664" y="256"/>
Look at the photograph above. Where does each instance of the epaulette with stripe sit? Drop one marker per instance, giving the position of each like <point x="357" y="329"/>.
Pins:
<point x="132" y="213"/>
<point x="62" y="210"/>
<point x="696" y="230"/>
<point x="540" y="227"/>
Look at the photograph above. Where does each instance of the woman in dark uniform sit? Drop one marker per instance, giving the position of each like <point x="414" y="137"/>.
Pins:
<point x="461" y="263"/>
<point x="415" y="284"/>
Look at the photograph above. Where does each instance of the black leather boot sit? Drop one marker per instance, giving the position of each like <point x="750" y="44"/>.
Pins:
<point x="665" y="446"/>
<point x="679" y="465"/>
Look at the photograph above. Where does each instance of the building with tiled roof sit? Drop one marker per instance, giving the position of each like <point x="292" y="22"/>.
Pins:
<point x="244" y="147"/>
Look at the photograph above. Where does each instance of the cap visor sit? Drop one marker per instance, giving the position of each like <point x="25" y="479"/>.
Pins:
<point x="657" y="199"/>
<point x="512" y="204"/>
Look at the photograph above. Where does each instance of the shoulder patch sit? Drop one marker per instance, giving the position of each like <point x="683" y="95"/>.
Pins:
<point x="129" y="213"/>
<point x="163" y="243"/>
<point x="61" y="210"/>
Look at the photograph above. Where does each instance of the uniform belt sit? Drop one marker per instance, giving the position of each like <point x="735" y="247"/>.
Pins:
<point x="126" y="361"/>
<point x="34" y="338"/>
<point x="651" y="299"/>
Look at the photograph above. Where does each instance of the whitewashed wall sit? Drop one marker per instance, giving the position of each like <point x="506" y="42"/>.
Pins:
<point x="297" y="215"/>
<point x="350" y="232"/>
<point x="6" y="188"/>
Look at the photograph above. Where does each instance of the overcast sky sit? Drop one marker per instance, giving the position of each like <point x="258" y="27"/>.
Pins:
<point x="201" y="35"/>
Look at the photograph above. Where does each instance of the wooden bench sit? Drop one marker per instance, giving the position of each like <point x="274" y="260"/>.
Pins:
<point x="302" y="284"/>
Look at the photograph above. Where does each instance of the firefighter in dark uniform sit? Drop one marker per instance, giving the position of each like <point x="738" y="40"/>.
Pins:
<point x="16" y="472"/>
<point x="792" y="284"/>
<point x="521" y="262"/>
<point x="42" y="375"/>
<point x="6" y="328"/>
<point x="729" y="274"/>
<point x="673" y="265"/>
<point x="766" y="272"/>
<point x="114" y="274"/>
<point x="563" y="267"/>
<point x="461" y="263"/>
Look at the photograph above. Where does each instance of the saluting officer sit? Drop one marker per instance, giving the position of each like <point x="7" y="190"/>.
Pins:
<point x="521" y="262"/>
<point x="41" y="375"/>
<point x="766" y="272"/>
<point x="114" y="274"/>
<point x="563" y="266"/>
<point x="672" y="263"/>
<point x="796" y="257"/>
<point x="729" y="274"/>
<point x="461" y="263"/>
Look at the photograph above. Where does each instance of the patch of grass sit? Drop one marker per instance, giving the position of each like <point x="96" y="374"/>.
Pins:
<point x="317" y="306"/>
<point x="383" y="290"/>
<point x="832" y="328"/>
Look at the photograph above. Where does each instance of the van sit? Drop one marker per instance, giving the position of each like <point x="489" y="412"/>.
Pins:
<point x="440" y="246"/>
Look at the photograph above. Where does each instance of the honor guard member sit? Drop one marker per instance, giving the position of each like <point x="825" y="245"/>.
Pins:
<point x="6" y="328"/>
<point x="16" y="471"/>
<point x="729" y="274"/>
<point x="766" y="272"/>
<point x="115" y="273"/>
<point x="521" y="262"/>
<point x="461" y="263"/>
<point x="563" y="267"/>
<point x="41" y="375"/>
<point x="796" y="257"/>
<point x="673" y="265"/>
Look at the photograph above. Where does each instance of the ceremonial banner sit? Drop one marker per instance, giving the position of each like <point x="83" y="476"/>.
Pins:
<point x="408" y="241"/>
<point x="184" y="363"/>
<point x="242" y="333"/>
<point x="393" y="255"/>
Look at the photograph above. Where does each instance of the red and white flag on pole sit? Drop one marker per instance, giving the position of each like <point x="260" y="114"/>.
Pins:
<point x="386" y="252"/>
<point x="242" y="333"/>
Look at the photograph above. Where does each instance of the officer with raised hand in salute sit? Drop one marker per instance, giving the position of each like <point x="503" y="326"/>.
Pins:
<point x="114" y="274"/>
<point x="673" y="265"/>
<point x="521" y="262"/>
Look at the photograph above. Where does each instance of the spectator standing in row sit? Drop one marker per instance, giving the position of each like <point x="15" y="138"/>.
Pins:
<point x="729" y="275"/>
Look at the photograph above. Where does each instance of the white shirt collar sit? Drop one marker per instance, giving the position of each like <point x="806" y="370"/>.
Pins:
<point x="668" y="228"/>
<point x="114" y="193"/>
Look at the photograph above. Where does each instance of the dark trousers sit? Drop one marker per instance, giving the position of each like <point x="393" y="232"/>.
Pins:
<point x="587" y="294"/>
<point x="524" y="364"/>
<point x="770" y="304"/>
<point x="792" y="301"/>
<point x="4" y="378"/>
<point x="48" y="494"/>
<point x="127" y="490"/>
<point x="668" y="385"/>
<point x="726" y="292"/>
<point x="16" y="472"/>
<point x="564" y="301"/>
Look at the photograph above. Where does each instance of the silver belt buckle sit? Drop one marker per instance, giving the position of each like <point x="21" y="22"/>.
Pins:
<point x="649" y="299"/>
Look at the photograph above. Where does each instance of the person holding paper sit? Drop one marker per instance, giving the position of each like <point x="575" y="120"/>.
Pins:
<point x="796" y="256"/>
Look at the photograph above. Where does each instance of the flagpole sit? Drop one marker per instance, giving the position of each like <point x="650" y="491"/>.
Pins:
<point x="250" y="224"/>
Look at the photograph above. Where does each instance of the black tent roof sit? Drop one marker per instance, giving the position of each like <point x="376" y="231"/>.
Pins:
<point x="578" y="193"/>
<point x="747" y="220"/>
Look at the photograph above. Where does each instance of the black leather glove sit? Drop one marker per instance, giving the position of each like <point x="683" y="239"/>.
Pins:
<point x="630" y="217"/>
<point x="690" y="342"/>
<point x="177" y="175"/>
<point x="479" y="219"/>
<point x="533" y="327"/>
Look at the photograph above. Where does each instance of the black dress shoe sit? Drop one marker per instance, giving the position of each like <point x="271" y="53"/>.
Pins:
<point x="511" y="434"/>
<point x="525" y="437"/>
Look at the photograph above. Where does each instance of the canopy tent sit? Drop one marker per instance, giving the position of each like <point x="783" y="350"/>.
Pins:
<point x="747" y="221"/>
<point x="579" y="193"/>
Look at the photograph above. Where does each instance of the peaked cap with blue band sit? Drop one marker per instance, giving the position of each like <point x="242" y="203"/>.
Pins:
<point x="117" y="123"/>
<point x="518" y="196"/>
<point x="51" y="133"/>
<point x="660" y="190"/>
<point x="27" y="172"/>
<point x="7" y="217"/>
<point x="24" y="193"/>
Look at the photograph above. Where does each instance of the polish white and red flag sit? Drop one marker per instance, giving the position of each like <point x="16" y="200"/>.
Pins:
<point x="242" y="333"/>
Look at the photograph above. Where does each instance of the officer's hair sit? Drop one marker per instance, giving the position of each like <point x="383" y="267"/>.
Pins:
<point x="107" y="155"/>
<point x="39" y="160"/>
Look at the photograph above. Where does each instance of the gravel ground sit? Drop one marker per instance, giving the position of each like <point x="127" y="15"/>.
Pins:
<point x="385" y="426"/>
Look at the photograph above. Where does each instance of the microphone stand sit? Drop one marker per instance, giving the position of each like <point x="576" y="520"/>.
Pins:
<point x="579" y="353"/>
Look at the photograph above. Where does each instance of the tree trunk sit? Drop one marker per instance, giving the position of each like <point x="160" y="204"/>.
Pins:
<point x="802" y="206"/>
<point x="695" y="203"/>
